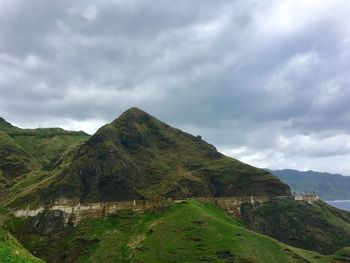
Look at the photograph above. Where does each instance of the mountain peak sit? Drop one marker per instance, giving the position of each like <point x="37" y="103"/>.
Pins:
<point x="134" y="115"/>
<point x="134" y="112"/>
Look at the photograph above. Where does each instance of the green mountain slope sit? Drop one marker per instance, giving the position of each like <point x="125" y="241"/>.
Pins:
<point x="13" y="252"/>
<point x="10" y="250"/>
<point x="317" y="227"/>
<point x="137" y="156"/>
<point x="14" y="160"/>
<point x="30" y="158"/>
<point x="186" y="232"/>
<point x="327" y="186"/>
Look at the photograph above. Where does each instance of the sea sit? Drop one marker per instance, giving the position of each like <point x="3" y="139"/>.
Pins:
<point x="341" y="204"/>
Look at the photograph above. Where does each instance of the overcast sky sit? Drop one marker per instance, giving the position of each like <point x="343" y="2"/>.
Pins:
<point x="267" y="82"/>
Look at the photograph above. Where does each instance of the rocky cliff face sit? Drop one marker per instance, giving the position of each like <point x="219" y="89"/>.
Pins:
<point x="51" y="221"/>
<point x="139" y="157"/>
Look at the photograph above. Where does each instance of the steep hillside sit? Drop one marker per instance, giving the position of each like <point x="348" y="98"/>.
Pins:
<point x="13" y="252"/>
<point x="317" y="227"/>
<point x="327" y="186"/>
<point x="14" y="160"/>
<point x="10" y="250"/>
<point x="44" y="145"/>
<point x="186" y="232"/>
<point x="30" y="158"/>
<point x="137" y="156"/>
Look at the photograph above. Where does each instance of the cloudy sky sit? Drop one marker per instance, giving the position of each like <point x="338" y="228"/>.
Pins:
<point x="267" y="82"/>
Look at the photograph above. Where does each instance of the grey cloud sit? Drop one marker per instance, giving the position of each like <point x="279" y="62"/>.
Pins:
<point x="234" y="71"/>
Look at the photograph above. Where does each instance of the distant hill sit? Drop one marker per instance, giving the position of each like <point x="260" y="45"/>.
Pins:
<point x="139" y="157"/>
<point x="327" y="186"/>
<point x="30" y="158"/>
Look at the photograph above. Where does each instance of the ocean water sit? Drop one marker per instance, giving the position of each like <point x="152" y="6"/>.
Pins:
<point x="342" y="204"/>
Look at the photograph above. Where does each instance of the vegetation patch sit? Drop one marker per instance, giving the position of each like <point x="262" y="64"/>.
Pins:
<point x="316" y="226"/>
<point x="12" y="252"/>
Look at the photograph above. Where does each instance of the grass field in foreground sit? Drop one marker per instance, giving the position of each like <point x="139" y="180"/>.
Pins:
<point x="186" y="232"/>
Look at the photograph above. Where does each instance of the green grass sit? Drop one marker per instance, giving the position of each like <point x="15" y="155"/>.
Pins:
<point x="46" y="150"/>
<point x="194" y="232"/>
<point x="12" y="252"/>
<point x="14" y="160"/>
<point x="189" y="231"/>
<point x="343" y="254"/>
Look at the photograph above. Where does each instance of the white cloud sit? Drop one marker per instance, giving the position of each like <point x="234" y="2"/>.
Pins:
<point x="33" y="62"/>
<point x="90" y="13"/>
<point x="313" y="145"/>
<point x="90" y="126"/>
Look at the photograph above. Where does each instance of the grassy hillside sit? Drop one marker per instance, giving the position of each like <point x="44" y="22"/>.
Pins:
<point x="317" y="227"/>
<point x="13" y="252"/>
<point x="31" y="158"/>
<point x="137" y="156"/>
<point x="14" y="160"/>
<point x="10" y="250"/>
<point x="327" y="186"/>
<point x="186" y="232"/>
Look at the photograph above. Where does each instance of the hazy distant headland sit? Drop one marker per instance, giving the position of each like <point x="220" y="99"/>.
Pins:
<point x="328" y="186"/>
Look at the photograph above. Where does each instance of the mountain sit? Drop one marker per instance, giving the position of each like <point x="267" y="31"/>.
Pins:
<point x="30" y="158"/>
<point x="189" y="231"/>
<point x="139" y="157"/>
<point x="327" y="186"/>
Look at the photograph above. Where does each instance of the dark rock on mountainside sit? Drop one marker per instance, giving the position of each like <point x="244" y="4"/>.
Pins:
<point x="51" y="221"/>
<point x="137" y="156"/>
